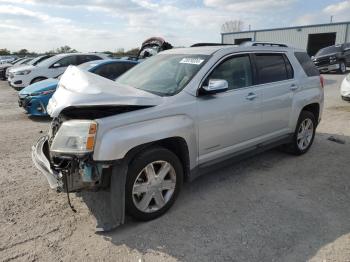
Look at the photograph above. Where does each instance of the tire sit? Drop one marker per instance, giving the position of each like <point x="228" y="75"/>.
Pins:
<point x="38" y="79"/>
<point x="296" y="147"/>
<point x="342" y="67"/>
<point x="144" y="186"/>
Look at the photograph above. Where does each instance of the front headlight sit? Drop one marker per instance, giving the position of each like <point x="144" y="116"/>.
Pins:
<point x="75" y="137"/>
<point x="24" y="72"/>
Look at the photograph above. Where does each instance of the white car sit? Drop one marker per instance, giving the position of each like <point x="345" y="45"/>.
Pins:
<point x="49" y="68"/>
<point x="345" y="88"/>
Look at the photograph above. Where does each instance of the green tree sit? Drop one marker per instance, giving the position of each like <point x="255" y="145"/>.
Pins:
<point x="4" y="51"/>
<point x="65" y="49"/>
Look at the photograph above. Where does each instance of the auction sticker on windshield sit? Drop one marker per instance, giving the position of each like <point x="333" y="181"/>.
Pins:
<point x="192" y="61"/>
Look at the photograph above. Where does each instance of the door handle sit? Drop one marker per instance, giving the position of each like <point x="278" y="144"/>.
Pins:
<point x="293" y="87"/>
<point x="251" y="96"/>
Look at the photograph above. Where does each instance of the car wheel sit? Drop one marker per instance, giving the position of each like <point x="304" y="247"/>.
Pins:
<point x="304" y="134"/>
<point x="342" y="67"/>
<point x="153" y="182"/>
<point x="38" y="79"/>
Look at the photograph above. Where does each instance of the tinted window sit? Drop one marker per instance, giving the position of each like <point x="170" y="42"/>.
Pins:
<point x="111" y="71"/>
<point x="306" y="64"/>
<point x="271" y="68"/>
<point x="236" y="71"/>
<point x="87" y="58"/>
<point x="66" y="61"/>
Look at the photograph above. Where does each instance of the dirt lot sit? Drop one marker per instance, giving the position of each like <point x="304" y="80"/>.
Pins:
<point x="272" y="207"/>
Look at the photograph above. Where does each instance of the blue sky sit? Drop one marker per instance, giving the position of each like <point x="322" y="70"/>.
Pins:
<point x="98" y="25"/>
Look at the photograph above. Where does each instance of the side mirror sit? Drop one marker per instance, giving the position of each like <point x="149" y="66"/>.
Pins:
<point x="215" y="86"/>
<point x="56" y="65"/>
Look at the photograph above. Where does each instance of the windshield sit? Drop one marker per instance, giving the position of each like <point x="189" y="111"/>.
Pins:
<point x="163" y="75"/>
<point x="328" y="50"/>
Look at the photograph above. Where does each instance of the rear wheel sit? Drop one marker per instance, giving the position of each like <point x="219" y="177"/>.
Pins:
<point x="154" y="180"/>
<point x="304" y="134"/>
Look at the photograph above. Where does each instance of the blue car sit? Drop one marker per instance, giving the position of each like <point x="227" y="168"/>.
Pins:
<point x="35" y="97"/>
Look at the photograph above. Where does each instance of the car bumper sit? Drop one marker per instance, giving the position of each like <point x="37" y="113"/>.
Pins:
<point x="33" y="105"/>
<point x="42" y="163"/>
<point x="328" y="68"/>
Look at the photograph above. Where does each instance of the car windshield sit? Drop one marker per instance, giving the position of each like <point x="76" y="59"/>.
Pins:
<point x="328" y="50"/>
<point x="163" y="74"/>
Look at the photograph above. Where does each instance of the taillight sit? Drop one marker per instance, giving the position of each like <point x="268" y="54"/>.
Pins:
<point x="322" y="81"/>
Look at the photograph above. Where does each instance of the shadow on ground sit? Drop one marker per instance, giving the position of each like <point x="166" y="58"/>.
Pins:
<point x="271" y="207"/>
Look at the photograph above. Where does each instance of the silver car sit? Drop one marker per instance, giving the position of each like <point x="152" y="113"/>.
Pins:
<point x="168" y="119"/>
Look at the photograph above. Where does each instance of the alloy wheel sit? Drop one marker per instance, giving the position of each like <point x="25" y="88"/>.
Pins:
<point x="154" y="186"/>
<point x="305" y="134"/>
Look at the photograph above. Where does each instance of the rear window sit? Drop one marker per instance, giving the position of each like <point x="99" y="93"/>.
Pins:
<point x="306" y="63"/>
<point x="273" y="68"/>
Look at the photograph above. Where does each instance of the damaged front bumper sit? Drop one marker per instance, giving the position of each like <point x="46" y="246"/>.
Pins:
<point x="40" y="156"/>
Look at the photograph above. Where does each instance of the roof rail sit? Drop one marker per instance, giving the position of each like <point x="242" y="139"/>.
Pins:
<point x="208" y="44"/>
<point x="254" y="43"/>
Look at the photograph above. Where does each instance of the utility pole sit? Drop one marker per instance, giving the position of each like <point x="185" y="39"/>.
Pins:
<point x="331" y="19"/>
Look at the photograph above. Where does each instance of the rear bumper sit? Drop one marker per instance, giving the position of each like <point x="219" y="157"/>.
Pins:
<point x="42" y="163"/>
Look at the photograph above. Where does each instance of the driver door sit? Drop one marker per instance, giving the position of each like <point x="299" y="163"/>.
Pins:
<point x="229" y="121"/>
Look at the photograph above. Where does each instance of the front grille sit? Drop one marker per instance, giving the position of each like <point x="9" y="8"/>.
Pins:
<point x="322" y="61"/>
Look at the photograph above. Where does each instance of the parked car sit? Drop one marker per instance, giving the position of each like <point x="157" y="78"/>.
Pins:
<point x="335" y="57"/>
<point x="7" y="59"/>
<point x="5" y="66"/>
<point x="172" y="116"/>
<point x="35" y="97"/>
<point x="345" y="88"/>
<point x="52" y="67"/>
<point x="19" y="62"/>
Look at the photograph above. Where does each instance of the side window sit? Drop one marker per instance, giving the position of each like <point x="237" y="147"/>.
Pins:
<point x="237" y="71"/>
<point x="66" y="61"/>
<point x="306" y="63"/>
<point x="271" y="68"/>
<point x="111" y="71"/>
<point x="87" y="58"/>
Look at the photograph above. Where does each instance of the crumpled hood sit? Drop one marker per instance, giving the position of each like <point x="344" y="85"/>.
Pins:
<point x="80" y="88"/>
<point x="17" y="68"/>
<point x="45" y="85"/>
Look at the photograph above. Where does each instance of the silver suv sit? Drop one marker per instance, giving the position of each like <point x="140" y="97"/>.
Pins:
<point x="167" y="119"/>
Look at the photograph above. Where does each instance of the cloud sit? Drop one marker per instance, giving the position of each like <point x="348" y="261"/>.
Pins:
<point x="248" y="5"/>
<point x="340" y="12"/>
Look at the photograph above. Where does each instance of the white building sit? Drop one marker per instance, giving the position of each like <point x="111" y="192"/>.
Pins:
<point x="310" y="37"/>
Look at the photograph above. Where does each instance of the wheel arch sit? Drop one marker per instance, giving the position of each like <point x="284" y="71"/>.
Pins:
<point x="38" y="77"/>
<point x="313" y="108"/>
<point x="177" y="145"/>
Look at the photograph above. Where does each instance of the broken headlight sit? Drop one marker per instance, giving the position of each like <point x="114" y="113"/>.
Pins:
<point x="75" y="137"/>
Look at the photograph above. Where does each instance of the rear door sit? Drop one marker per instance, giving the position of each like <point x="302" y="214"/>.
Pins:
<point x="276" y="80"/>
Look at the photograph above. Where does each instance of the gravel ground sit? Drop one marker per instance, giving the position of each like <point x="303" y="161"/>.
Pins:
<point x="271" y="207"/>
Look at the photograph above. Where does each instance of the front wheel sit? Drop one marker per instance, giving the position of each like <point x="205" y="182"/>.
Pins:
<point x="342" y="67"/>
<point x="304" y="134"/>
<point x="154" y="180"/>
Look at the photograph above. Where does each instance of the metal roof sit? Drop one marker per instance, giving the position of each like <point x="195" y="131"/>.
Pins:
<point x="287" y="28"/>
